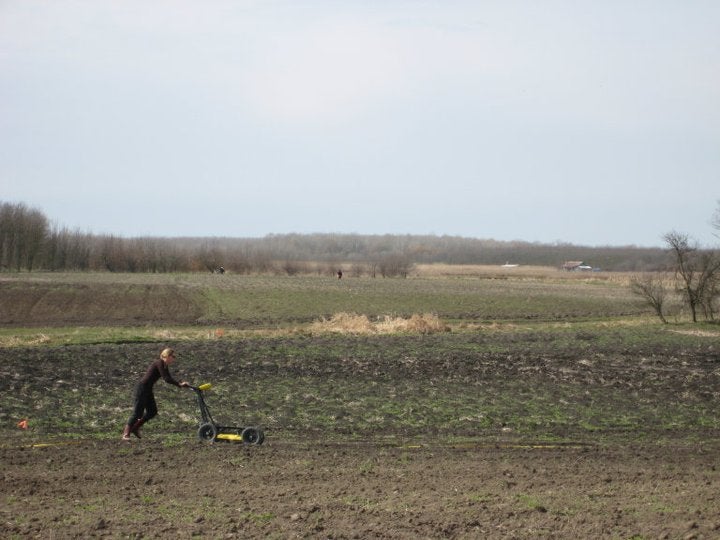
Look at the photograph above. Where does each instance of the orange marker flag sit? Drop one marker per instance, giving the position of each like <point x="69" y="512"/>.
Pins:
<point x="23" y="424"/>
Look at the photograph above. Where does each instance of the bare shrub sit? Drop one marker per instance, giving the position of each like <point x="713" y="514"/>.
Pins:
<point x="292" y="268"/>
<point x="395" y="264"/>
<point x="652" y="290"/>
<point x="357" y="270"/>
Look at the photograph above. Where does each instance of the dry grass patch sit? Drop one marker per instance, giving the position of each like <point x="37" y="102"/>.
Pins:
<point x="21" y="341"/>
<point x="343" y="323"/>
<point x="699" y="333"/>
<point x="351" y="323"/>
<point x="427" y="323"/>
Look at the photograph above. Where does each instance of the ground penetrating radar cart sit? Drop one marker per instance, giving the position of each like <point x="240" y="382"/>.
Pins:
<point x="210" y="431"/>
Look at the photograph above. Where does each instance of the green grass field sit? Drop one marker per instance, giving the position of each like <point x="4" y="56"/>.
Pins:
<point x="73" y="307"/>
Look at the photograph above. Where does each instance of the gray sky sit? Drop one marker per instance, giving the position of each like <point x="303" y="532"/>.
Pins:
<point x="589" y="122"/>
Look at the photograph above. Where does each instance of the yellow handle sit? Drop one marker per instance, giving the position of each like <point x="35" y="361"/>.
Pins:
<point x="205" y="386"/>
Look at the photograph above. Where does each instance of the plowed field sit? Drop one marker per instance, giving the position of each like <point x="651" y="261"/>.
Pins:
<point x="147" y="489"/>
<point x="516" y="435"/>
<point x="550" y="409"/>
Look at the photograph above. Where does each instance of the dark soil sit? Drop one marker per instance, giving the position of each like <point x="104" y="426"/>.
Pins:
<point x="449" y="436"/>
<point x="147" y="489"/>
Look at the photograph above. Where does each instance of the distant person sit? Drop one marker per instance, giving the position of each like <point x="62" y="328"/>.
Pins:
<point x="145" y="406"/>
<point x="339" y="274"/>
<point x="221" y="270"/>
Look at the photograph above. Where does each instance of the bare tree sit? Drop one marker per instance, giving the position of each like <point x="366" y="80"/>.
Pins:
<point x="372" y="269"/>
<point x="716" y="219"/>
<point x="9" y="236"/>
<point x="111" y="253"/>
<point x="711" y="298"/>
<point x="708" y="283"/>
<point x="698" y="272"/>
<point x="209" y="256"/>
<point x="395" y="264"/>
<point x="651" y="289"/>
<point x="23" y="232"/>
<point x="35" y="230"/>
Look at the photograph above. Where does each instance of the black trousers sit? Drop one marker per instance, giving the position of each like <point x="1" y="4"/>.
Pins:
<point x="145" y="406"/>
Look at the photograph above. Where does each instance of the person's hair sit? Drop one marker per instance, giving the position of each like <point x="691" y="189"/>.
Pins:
<point x="167" y="352"/>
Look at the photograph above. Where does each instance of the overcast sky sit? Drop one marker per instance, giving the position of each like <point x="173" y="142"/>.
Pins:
<point x="589" y="122"/>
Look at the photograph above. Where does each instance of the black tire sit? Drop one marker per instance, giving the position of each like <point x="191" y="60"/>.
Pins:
<point x="207" y="432"/>
<point x="253" y="435"/>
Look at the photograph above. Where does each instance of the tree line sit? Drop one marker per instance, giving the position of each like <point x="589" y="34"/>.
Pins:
<point x="29" y="241"/>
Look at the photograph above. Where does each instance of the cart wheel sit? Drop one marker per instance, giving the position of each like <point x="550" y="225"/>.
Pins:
<point x="252" y="435"/>
<point x="207" y="432"/>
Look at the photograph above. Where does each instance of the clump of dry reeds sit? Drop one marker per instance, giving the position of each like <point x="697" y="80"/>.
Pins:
<point x="343" y="323"/>
<point x="351" y="323"/>
<point x="426" y="323"/>
<point x="13" y="341"/>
